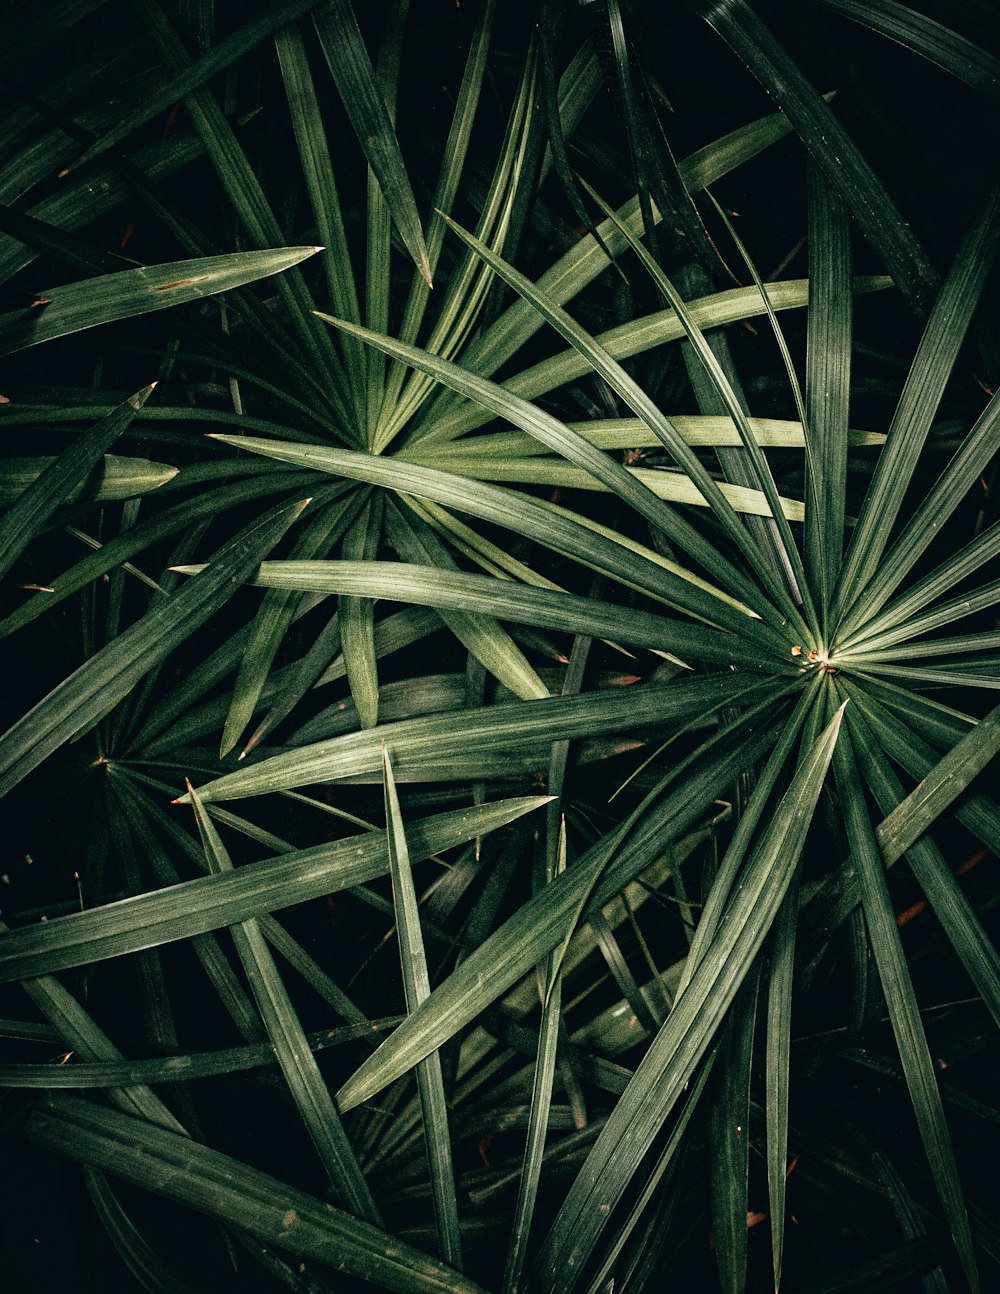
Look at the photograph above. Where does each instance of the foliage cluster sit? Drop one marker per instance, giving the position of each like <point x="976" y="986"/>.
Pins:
<point x="499" y="633"/>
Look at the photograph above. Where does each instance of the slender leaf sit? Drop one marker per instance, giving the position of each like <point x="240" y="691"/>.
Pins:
<point x="416" y="988"/>
<point x="925" y="804"/>
<point x="351" y="68"/>
<point x="963" y="58"/>
<point x="541" y="1100"/>
<point x="489" y="643"/>
<point x="357" y="623"/>
<point x="79" y="1031"/>
<point x="479" y="594"/>
<point x="259" y="647"/>
<point x="967" y="465"/>
<point x="777" y="1047"/>
<point x="729" y="1128"/>
<point x="238" y="1195"/>
<point x="904" y="1012"/>
<point x="498" y="728"/>
<point x="309" y="1092"/>
<point x="90" y="302"/>
<point x="199" y="73"/>
<point x="243" y="187"/>
<point x="538" y="927"/>
<point x="635" y="337"/>
<point x="828" y="379"/>
<point x="899" y="621"/>
<point x="760" y="471"/>
<point x="111" y="673"/>
<point x="135" y="1252"/>
<point x="551" y="527"/>
<point x="56" y="479"/>
<point x="958" y="919"/>
<point x="684" y="1038"/>
<point x="210" y="902"/>
<point x="918" y="404"/>
<point x="835" y="151"/>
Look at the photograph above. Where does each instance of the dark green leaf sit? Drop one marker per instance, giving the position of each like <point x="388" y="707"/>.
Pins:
<point x="239" y="1196"/>
<point x="193" y="907"/>
<point x="345" y="52"/>
<point x="111" y="673"/>
<point x="90" y="302"/>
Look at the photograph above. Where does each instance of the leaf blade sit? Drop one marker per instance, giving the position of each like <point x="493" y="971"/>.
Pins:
<point x="239" y="1195"/>
<point x="350" y="66"/>
<point x="110" y="297"/>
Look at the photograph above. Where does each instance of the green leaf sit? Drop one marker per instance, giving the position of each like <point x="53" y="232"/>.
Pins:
<point x="113" y="479"/>
<point x="204" y="505"/>
<point x="317" y="171"/>
<point x="902" y="729"/>
<point x="416" y="989"/>
<point x="199" y="73"/>
<point x="541" y="1091"/>
<point x="729" y="1130"/>
<point x="834" y="150"/>
<point x="108" y="1074"/>
<point x="79" y="1031"/>
<point x="489" y="643"/>
<point x="899" y="621"/>
<point x="543" y="923"/>
<point x="305" y="1083"/>
<point x="946" y="781"/>
<point x="482" y="595"/>
<point x="466" y="299"/>
<point x="697" y="430"/>
<point x="963" y="58"/>
<point x="137" y="1255"/>
<point x="259" y="647"/>
<point x="958" y="919"/>
<point x="255" y="889"/>
<point x="760" y="472"/>
<point x="50" y="482"/>
<point x="110" y="674"/>
<point x="351" y="68"/>
<point x="84" y="200"/>
<point x="556" y="435"/>
<point x="554" y="528"/>
<point x="683" y="1040"/>
<point x="585" y="259"/>
<point x="969" y="462"/>
<point x="497" y="728"/>
<point x="904" y="1011"/>
<point x="828" y="382"/>
<point x="453" y="160"/>
<point x="918" y="404"/>
<point x="238" y="1196"/>
<point x="468" y="458"/>
<point x="320" y="365"/>
<point x="777" y="1048"/>
<point x="357" y="622"/>
<point x="90" y="302"/>
<point x="635" y="337"/>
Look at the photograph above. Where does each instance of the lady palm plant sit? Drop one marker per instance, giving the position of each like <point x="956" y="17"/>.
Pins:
<point x="659" y="700"/>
